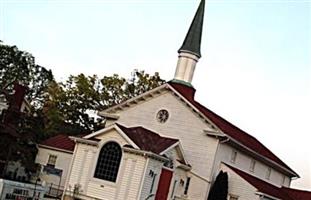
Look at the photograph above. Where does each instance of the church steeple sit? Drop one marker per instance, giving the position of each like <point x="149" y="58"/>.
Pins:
<point x="192" y="42"/>
<point x="190" y="51"/>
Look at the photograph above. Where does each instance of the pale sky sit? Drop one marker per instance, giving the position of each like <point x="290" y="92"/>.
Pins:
<point x="255" y="69"/>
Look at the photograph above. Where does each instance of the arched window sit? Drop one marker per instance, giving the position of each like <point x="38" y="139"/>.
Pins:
<point x="108" y="162"/>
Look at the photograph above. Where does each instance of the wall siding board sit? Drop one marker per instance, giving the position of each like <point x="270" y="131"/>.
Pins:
<point x="197" y="185"/>
<point x="238" y="186"/>
<point x="62" y="162"/>
<point x="243" y="162"/>
<point x="156" y="167"/>
<point x="182" y="123"/>
<point x="75" y="176"/>
<point x="111" y="135"/>
<point x="128" y="181"/>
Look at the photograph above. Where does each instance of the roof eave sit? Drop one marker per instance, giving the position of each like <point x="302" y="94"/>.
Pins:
<point x="128" y="102"/>
<point x="263" y="157"/>
<point x="84" y="141"/>
<point x="116" y="127"/>
<point x="145" y="153"/>
<point x="55" y="148"/>
<point x="176" y="144"/>
<point x="267" y="195"/>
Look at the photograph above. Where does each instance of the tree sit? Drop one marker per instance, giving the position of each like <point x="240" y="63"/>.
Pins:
<point x="219" y="190"/>
<point x="19" y="66"/>
<point x="20" y="79"/>
<point x="17" y="131"/>
<point x="70" y="106"/>
<point x="66" y="107"/>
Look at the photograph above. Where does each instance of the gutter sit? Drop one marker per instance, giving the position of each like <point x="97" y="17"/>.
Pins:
<point x="260" y="194"/>
<point x="127" y="102"/>
<point x="200" y="177"/>
<point x="228" y="138"/>
<point x="185" y="167"/>
<point x="54" y="148"/>
<point x="145" y="153"/>
<point x="83" y="141"/>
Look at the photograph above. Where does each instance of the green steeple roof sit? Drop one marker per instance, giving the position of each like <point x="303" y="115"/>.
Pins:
<point x="192" y="42"/>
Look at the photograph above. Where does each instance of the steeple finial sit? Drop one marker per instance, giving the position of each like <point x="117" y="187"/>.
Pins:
<point x="192" y="42"/>
<point x="190" y="51"/>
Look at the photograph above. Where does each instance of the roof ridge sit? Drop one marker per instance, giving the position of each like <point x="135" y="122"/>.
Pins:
<point x="147" y="139"/>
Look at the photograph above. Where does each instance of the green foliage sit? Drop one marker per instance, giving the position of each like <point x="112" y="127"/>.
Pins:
<point x="17" y="65"/>
<point x="68" y="107"/>
<point x="73" y="104"/>
<point x="20" y="131"/>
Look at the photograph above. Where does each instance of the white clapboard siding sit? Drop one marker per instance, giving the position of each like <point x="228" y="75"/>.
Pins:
<point x="182" y="123"/>
<point x="243" y="161"/>
<point x="197" y="187"/>
<point x="137" y="169"/>
<point x="88" y="167"/>
<point x="179" y="174"/>
<point x="156" y="167"/>
<point x="128" y="182"/>
<point x="174" y="154"/>
<point x="78" y="164"/>
<point x="238" y="186"/>
<point x="101" y="191"/>
<point x="111" y="135"/>
<point x="129" y="179"/>
<point x="62" y="162"/>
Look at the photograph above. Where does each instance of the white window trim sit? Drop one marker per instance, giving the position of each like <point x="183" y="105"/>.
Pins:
<point x="50" y="158"/>
<point x="252" y="165"/>
<point x="234" y="155"/>
<point x="153" y="183"/>
<point x="174" y="188"/>
<point x="268" y="173"/>
<point x="283" y="179"/>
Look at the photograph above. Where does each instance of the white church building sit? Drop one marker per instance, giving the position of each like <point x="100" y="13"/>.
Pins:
<point x="163" y="144"/>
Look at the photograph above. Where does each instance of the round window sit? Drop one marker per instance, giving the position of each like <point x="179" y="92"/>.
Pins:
<point x="162" y="116"/>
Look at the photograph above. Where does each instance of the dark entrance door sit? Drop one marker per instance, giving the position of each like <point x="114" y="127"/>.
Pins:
<point x="164" y="184"/>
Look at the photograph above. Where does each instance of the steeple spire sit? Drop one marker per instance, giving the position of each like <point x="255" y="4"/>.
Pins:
<point x="192" y="42"/>
<point x="190" y="51"/>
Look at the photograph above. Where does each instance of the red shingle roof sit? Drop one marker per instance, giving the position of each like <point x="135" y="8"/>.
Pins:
<point x="261" y="185"/>
<point x="147" y="140"/>
<point x="60" y="142"/>
<point x="228" y="128"/>
<point x="297" y="194"/>
<point x="272" y="190"/>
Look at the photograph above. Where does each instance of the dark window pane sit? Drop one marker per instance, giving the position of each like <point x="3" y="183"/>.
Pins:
<point x="108" y="162"/>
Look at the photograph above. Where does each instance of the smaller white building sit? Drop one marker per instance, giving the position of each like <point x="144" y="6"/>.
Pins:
<point x="54" y="156"/>
<point x="127" y="163"/>
<point x="17" y="190"/>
